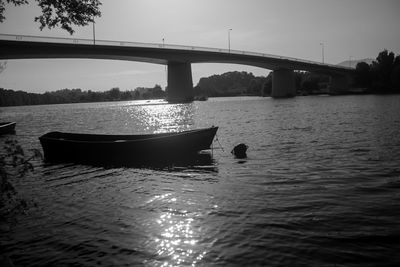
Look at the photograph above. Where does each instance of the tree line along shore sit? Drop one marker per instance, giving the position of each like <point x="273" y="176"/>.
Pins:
<point x="380" y="77"/>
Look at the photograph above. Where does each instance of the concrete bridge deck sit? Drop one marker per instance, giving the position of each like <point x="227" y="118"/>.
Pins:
<point x="177" y="57"/>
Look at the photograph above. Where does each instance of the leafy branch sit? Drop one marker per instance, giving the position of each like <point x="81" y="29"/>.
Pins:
<point x="13" y="163"/>
<point x="63" y="13"/>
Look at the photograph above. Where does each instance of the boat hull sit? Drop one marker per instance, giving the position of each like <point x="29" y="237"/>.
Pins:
<point x="124" y="149"/>
<point x="7" y="128"/>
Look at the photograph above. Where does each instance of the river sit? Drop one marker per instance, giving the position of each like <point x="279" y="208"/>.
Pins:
<point x="320" y="187"/>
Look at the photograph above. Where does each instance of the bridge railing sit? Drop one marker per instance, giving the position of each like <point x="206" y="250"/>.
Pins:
<point x="79" y="41"/>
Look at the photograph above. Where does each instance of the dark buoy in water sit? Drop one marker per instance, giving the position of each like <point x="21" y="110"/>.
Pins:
<point x="240" y="151"/>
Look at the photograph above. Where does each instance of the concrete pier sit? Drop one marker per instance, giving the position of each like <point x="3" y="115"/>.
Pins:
<point x="180" y="82"/>
<point x="283" y="83"/>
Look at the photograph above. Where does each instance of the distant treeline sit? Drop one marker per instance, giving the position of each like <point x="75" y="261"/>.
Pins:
<point x="227" y="84"/>
<point x="244" y="83"/>
<point x="230" y="84"/>
<point x="17" y="98"/>
<point x="381" y="76"/>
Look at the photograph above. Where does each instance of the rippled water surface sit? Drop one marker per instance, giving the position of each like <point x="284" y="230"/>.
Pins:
<point x="320" y="186"/>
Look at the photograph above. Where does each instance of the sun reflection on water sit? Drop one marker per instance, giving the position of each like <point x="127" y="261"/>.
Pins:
<point x="161" y="117"/>
<point x="177" y="243"/>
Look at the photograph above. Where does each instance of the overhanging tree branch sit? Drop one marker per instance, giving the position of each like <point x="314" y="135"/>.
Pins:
<point x="62" y="13"/>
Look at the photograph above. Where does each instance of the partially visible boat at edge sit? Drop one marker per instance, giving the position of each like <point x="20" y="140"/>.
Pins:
<point x="7" y="127"/>
<point x="100" y="149"/>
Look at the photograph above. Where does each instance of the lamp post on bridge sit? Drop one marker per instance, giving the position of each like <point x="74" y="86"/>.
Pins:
<point x="229" y="40"/>
<point x="323" y="52"/>
<point x="94" y="33"/>
<point x="166" y="68"/>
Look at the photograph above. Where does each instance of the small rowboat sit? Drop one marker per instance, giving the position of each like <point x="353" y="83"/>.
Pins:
<point x="98" y="149"/>
<point x="7" y="127"/>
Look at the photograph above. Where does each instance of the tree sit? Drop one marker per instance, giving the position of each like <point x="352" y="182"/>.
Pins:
<point x="382" y="69"/>
<point x="14" y="162"/>
<point x="60" y="12"/>
<point x="267" y="87"/>
<point x="310" y="82"/>
<point x="395" y="75"/>
<point x="363" y="75"/>
<point x="114" y="93"/>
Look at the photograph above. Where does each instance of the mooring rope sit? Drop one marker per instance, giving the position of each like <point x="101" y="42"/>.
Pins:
<point x="23" y="135"/>
<point x="220" y="146"/>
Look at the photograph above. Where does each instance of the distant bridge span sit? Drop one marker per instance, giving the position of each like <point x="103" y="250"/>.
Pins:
<point x="178" y="58"/>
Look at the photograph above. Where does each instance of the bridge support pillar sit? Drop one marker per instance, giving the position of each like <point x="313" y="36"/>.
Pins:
<point x="338" y="84"/>
<point x="283" y="83"/>
<point x="180" y="82"/>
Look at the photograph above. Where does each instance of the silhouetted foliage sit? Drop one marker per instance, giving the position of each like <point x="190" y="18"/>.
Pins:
<point x="395" y="75"/>
<point x="230" y="84"/>
<point x="363" y="77"/>
<point x="60" y="12"/>
<point x="382" y="76"/>
<point x="18" y="98"/>
<point x="381" y="70"/>
<point x="312" y="83"/>
<point x="243" y="83"/>
<point x="267" y="87"/>
<point x="149" y="93"/>
<point x="14" y="163"/>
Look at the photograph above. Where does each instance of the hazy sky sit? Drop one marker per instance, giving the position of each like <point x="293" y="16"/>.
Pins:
<point x="348" y="28"/>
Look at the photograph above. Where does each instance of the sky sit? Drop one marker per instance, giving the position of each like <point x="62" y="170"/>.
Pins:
<point x="348" y="29"/>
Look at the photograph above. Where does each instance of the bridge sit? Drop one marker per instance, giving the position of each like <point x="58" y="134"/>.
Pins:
<point x="178" y="59"/>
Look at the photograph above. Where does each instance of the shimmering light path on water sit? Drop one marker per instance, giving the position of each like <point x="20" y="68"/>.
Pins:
<point x="320" y="186"/>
